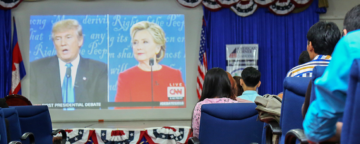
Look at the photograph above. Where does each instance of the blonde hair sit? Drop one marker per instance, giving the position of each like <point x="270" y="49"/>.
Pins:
<point x="67" y="24"/>
<point x="157" y="33"/>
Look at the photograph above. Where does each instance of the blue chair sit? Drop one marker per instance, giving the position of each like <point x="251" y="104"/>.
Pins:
<point x="291" y="118"/>
<point x="3" y="131"/>
<point x="14" y="126"/>
<point x="298" y="134"/>
<point x="36" y="119"/>
<point x="229" y="123"/>
<point x="351" y="127"/>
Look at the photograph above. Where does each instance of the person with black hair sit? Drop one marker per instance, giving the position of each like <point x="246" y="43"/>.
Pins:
<point x="304" y="58"/>
<point x="322" y="38"/>
<point x="216" y="89"/>
<point x="321" y="120"/>
<point x="240" y="90"/>
<point x="250" y="82"/>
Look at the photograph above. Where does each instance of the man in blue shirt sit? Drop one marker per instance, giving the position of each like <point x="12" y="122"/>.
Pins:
<point x="250" y="82"/>
<point x="320" y="122"/>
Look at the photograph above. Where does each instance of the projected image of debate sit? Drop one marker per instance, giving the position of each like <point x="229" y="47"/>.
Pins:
<point x="108" y="61"/>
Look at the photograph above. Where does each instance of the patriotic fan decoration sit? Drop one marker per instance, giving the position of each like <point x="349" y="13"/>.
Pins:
<point x="282" y="7"/>
<point x="190" y="3"/>
<point x="244" y="9"/>
<point x="248" y="7"/>
<point x="212" y="5"/>
<point x="265" y="3"/>
<point x="9" y="4"/>
<point x="227" y="3"/>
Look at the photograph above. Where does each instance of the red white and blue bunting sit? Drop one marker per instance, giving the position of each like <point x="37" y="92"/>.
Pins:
<point x="282" y="7"/>
<point x="190" y="3"/>
<point x="212" y="5"/>
<point x="248" y="7"/>
<point x="227" y="3"/>
<point x="154" y="135"/>
<point x="244" y="9"/>
<point x="9" y="4"/>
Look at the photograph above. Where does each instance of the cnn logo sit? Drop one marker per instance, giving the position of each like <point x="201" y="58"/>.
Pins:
<point x="175" y="91"/>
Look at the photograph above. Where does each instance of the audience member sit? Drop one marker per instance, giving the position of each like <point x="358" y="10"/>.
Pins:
<point x="234" y="87"/>
<point x="320" y="122"/>
<point x="250" y="82"/>
<point x="216" y="89"/>
<point x="240" y="90"/>
<point x="322" y="38"/>
<point x="304" y="58"/>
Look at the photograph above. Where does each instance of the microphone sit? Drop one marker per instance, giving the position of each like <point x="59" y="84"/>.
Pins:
<point x="68" y="72"/>
<point x="151" y="63"/>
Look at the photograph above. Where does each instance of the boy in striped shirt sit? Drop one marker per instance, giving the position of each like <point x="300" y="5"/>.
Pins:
<point x="322" y="38"/>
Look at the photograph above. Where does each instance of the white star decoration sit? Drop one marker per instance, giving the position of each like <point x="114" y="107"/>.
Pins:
<point x="103" y="134"/>
<point x="181" y="132"/>
<point x="75" y="139"/>
<point x="180" y="137"/>
<point x="80" y="132"/>
<point x="172" y="136"/>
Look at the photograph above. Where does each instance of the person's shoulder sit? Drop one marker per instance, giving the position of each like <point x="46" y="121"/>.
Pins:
<point x="131" y="71"/>
<point x="354" y="33"/>
<point x="42" y="61"/>
<point x="351" y="38"/>
<point x="299" y="66"/>
<point x="95" y="63"/>
<point x="169" y="69"/>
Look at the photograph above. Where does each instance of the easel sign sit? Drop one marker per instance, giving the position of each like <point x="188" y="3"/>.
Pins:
<point x="240" y="56"/>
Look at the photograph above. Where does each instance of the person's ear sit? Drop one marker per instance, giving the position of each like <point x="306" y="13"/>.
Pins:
<point x="158" y="49"/>
<point x="310" y="47"/>
<point x="241" y="82"/>
<point x="345" y="32"/>
<point x="258" y="85"/>
<point x="81" y="41"/>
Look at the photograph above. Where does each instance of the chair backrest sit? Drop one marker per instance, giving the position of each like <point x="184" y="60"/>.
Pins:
<point x="230" y="123"/>
<point x="14" y="124"/>
<point x="3" y="134"/>
<point x="17" y="100"/>
<point x="294" y="96"/>
<point x="36" y="119"/>
<point x="318" y="71"/>
<point x="351" y="126"/>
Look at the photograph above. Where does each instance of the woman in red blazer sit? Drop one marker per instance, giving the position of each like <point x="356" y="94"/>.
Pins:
<point x="134" y="84"/>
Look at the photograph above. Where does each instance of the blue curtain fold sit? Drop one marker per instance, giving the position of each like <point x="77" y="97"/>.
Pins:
<point x="281" y="39"/>
<point x="5" y="52"/>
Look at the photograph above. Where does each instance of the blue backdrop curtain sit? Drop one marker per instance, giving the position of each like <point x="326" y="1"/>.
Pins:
<point x="281" y="39"/>
<point x="5" y="52"/>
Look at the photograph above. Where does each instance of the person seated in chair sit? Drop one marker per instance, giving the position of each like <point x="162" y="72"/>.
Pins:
<point x="250" y="82"/>
<point x="321" y="119"/>
<point x="322" y="38"/>
<point x="304" y="58"/>
<point x="217" y="88"/>
<point x="239" y="87"/>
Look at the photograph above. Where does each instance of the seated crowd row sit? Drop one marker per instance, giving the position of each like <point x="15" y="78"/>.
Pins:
<point x="326" y="46"/>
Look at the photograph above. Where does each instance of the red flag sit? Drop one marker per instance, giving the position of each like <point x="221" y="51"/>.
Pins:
<point x="18" y="68"/>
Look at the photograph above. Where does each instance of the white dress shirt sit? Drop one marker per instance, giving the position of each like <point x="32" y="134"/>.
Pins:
<point x="62" y="67"/>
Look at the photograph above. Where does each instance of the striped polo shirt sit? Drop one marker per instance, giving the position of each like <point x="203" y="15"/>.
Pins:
<point x="306" y="69"/>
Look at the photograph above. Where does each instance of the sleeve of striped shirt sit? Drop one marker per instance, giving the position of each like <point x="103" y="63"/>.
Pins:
<point x="289" y="74"/>
<point x="330" y="89"/>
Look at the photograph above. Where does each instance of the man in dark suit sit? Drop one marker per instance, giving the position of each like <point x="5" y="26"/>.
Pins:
<point x="67" y="77"/>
